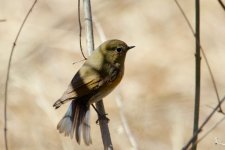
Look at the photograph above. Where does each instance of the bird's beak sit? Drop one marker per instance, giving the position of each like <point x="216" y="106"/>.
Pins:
<point x="130" y="47"/>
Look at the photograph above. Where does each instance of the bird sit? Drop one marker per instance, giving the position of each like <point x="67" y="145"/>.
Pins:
<point x="97" y="77"/>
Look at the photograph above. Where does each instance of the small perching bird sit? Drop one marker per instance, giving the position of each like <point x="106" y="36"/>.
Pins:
<point x="97" y="77"/>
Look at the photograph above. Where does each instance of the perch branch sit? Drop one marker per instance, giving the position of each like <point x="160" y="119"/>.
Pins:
<point x="90" y="47"/>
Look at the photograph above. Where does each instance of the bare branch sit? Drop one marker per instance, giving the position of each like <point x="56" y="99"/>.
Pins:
<point x="203" y="54"/>
<point x="8" y="73"/>
<point x="80" y="29"/>
<point x="197" y="72"/>
<point x="185" y="17"/>
<point x="90" y="47"/>
<point x="222" y="4"/>
<point x="210" y="130"/>
<point x="203" y="124"/>
<point x="209" y="68"/>
<point x="88" y="26"/>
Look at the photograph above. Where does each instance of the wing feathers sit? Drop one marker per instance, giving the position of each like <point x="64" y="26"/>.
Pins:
<point x="73" y="92"/>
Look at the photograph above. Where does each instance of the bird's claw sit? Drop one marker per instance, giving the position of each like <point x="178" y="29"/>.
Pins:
<point x="102" y="117"/>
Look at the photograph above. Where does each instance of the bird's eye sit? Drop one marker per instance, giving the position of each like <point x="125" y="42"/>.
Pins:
<point x="119" y="49"/>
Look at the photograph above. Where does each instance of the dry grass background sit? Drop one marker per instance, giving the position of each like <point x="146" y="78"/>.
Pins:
<point x="158" y="86"/>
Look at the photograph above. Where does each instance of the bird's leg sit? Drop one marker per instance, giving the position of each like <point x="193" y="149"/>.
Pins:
<point x="100" y="115"/>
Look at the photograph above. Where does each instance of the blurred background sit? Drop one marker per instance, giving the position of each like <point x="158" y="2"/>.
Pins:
<point x="156" y="94"/>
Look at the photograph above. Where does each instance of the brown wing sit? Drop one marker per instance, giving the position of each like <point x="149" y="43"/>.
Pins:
<point x="80" y="86"/>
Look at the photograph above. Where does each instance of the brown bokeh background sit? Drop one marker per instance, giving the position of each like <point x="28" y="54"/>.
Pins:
<point x="157" y="91"/>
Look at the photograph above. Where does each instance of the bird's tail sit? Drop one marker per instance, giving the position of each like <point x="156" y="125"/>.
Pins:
<point x="76" y="121"/>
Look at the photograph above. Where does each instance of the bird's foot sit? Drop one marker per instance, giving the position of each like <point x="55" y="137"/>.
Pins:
<point x="102" y="117"/>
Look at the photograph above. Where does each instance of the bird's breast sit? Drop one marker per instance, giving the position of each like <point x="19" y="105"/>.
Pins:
<point x="110" y="82"/>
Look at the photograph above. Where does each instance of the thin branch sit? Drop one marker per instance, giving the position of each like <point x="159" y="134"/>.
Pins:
<point x="8" y="73"/>
<point x="213" y="80"/>
<point x="207" y="63"/>
<point x="90" y="47"/>
<point x="203" y="54"/>
<point x="210" y="130"/>
<point x="203" y="124"/>
<point x="185" y="17"/>
<point x="80" y="29"/>
<point x="197" y="73"/>
<point x="222" y="4"/>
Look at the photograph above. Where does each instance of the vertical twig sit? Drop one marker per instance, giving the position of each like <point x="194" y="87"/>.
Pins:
<point x="80" y="29"/>
<point x="90" y="47"/>
<point x="8" y="73"/>
<point x="218" y="107"/>
<point x="88" y="26"/>
<point x="197" y="72"/>
<point x="203" y="54"/>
